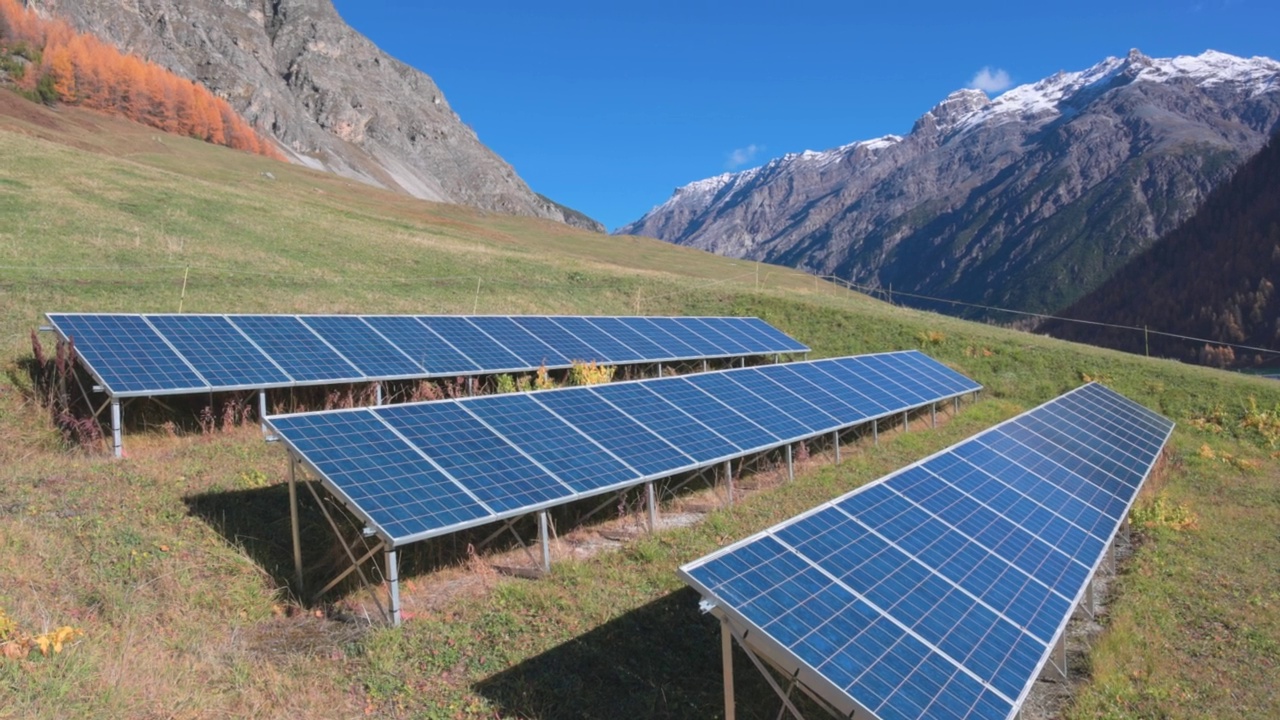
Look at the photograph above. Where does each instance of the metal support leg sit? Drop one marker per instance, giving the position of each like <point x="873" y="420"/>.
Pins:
<point x="471" y="386"/>
<point x="393" y="579"/>
<point x="906" y="424"/>
<point x="955" y="402"/>
<point x="933" y="414"/>
<point x="659" y="369"/>
<point x="377" y="393"/>
<point x="651" y="501"/>
<point x="835" y="442"/>
<point x="262" y="409"/>
<point x="768" y="677"/>
<point x="545" y="537"/>
<point x="293" y="518"/>
<point x="1062" y="643"/>
<point x="791" y="468"/>
<point x="726" y="651"/>
<point x="1090" y="601"/>
<point x="704" y="365"/>
<point x="117" y="437"/>
<point x="875" y="431"/>
<point x="728" y="481"/>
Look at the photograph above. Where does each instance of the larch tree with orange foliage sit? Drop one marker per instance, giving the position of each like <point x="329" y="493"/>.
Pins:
<point x="79" y="68"/>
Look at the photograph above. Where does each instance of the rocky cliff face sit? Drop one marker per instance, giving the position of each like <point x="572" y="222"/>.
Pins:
<point x="1026" y="201"/>
<point x="331" y="98"/>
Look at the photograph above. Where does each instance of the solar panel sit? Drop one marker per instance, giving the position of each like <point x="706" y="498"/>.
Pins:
<point x="158" y="354"/>
<point x="629" y="334"/>
<point x="616" y="432"/>
<point x="523" y="451"/>
<point x="551" y="333"/>
<point x="755" y="408"/>
<point x="423" y="345"/>
<point x="669" y="422"/>
<point x="384" y="479"/>
<point x="746" y="335"/>
<point x="816" y="389"/>
<point x="363" y="346"/>
<point x="717" y="334"/>
<point x="862" y="381"/>
<point x="531" y="351"/>
<point x="685" y="334"/>
<point x="605" y="347"/>
<point x="710" y="411"/>
<point x="294" y="347"/>
<point x="494" y="470"/>
<point x="474" y="343"/>
<point x="770" y="336"/>
<point x="876" y="371"/>
<point x="941" y="590"/>
<point x="817" y="374"/>
<point x="127" y="354"/>
<point x="809" y="414"/>
<point x="558" y="446"/>
<point x="218" y="351"/>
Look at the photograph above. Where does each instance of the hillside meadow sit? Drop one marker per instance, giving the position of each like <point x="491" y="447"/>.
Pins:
<point x="171" y="567"/>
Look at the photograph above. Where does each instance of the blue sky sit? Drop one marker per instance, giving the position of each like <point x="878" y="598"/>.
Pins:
<point x="607" y="107"/>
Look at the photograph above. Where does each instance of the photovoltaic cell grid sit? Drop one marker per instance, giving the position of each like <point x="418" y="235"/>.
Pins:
<point x="940" y="591"/>
<point x="140" y="355"/>
<point x="487" y="458"/>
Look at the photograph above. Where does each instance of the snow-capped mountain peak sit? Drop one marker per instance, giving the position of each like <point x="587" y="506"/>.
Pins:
<point x="1046" y="98"/>
<point x="1026" y="199"/>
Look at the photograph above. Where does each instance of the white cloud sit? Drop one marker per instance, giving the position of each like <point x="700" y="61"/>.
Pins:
<point x="991" y="80"/>
<point x="742" y="156"/>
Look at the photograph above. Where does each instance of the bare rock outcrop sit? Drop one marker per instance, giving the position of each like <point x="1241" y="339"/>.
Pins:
<point x="327" y="94"/>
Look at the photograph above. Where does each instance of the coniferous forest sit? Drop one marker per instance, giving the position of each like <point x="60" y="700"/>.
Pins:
<point x="1212" y="277"/>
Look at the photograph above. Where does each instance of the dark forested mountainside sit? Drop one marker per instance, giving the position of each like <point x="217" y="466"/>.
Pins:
<point x="1213" y="277"/>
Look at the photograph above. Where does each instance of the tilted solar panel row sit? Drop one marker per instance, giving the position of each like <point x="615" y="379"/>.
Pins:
<point x="142" y="355"/>
<point x="940" y="591"/>
<point x="418" y="470"/>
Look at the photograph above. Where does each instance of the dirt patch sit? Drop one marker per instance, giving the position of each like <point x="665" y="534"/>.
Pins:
<point x="306" y="634"/>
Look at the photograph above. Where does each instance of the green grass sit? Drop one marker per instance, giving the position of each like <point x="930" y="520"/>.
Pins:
<point x="175" y="561"/>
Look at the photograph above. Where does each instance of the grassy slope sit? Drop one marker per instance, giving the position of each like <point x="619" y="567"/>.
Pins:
<point x="182" y="607"/>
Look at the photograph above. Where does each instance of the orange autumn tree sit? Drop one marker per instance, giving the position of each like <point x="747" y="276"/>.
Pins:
<point x="59" y="63"/>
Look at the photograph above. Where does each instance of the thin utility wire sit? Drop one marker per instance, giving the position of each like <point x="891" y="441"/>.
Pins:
<point x="868" y="290"/>
<point x="864" y="289"/>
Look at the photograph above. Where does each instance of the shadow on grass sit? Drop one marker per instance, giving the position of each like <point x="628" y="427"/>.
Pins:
<point x="256" y="520"/>
<point x="661" y="660"/>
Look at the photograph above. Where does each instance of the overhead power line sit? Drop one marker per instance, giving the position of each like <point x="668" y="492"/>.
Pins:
<point x="869" y="290"/>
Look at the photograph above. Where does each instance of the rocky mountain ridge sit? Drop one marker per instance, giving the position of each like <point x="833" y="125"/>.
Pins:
<point x="1026" y="200"/>
<point x="327" y="94"/>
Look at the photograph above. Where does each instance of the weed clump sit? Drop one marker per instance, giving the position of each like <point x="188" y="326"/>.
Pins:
<point x="16" y="644"/>
<point x="54" y="381"/>
<point x="1161" y="512"/>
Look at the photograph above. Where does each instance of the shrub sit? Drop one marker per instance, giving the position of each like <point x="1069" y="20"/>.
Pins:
<point x="590" y="373"/>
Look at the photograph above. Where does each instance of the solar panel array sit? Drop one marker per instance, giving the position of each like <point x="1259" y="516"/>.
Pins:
<point x="143" y="355"/>
<point x="941" y="590"/>
<point x="418" y="470"/>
